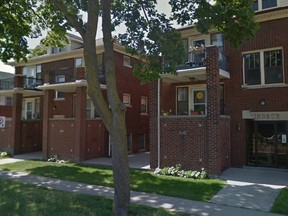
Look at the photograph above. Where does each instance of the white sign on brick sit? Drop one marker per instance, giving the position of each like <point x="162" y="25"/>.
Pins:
<point x="2" y="121"/>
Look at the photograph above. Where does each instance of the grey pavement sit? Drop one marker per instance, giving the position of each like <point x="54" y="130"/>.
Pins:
<point x="248" y="192"/>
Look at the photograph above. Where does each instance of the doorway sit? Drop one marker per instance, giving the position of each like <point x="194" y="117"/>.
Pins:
<point x="267" y="144"/>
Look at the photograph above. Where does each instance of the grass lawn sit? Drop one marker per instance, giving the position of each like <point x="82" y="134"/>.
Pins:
<point x="281" y="203"/>
<point x="145" y="181"/>
<point x="23" y="199"/>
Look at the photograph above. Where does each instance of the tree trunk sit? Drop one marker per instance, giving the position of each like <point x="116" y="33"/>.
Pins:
<point x="118" y="128"/>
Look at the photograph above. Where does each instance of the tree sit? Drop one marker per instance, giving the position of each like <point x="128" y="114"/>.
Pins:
<point x="149" y="35"/>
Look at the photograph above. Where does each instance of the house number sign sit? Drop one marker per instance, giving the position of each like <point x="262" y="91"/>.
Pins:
<point x="265" y="116"/>
<point x="2" y="121"/>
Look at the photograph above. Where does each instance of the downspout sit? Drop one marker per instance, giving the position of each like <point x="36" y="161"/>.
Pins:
<point x="158" y="122"/>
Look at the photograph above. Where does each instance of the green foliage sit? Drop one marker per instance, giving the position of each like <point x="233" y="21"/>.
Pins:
<point x="235" y="18"/>
<point x="4" y="154"/>
<point x="281" y="203"/>
<point x="24" y="199"/>
<point x="177" y="171"/>
<point x="145" y="181"/>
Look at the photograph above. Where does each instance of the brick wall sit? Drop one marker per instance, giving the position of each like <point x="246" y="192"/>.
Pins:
<point x="6" y="111"/>
<point x="31" y="136"/>
<point x="6" y="136"/>
<point x="270" y="35"/>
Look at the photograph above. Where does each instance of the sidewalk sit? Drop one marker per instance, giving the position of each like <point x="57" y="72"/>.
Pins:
<point x="152" y="200"/>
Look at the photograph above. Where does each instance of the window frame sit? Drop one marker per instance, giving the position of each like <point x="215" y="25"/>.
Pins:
<point x="79" y="65"/>
<point x="146" y="105"/>
<point x="127" y="61"/>
<point x="128" y="103"/>
<point x="260" y="6"/>
<point x="58" y="95"/>
<point x="262" y="68"/>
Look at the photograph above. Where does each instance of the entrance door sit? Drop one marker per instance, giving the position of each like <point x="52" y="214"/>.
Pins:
<point x="267" y="144"/>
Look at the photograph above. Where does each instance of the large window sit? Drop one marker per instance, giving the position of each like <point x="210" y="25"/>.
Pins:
<point x="264" y="4"/>
<point x="182" y="100"/>
<point x="263" y="67"/>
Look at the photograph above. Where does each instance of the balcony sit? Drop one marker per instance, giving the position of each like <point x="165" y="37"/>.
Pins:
<point x="194" y="67"/>
<point x="30" y="83"/>
<point x="6" y="85"/>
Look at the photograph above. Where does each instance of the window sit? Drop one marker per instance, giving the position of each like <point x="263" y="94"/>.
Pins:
<point x="29" y="76"/>
<point x="199" y="101"/>
<point x="60" y="79"/>
<point x="263" y="67"/>
<point x="8" y="101"/>
<point x="59" y="95"/>
<point x="182" y="100"/>
<point x="79" y="62"/>
<point x="58" y="49"/>
<point x="31" y="108"/>
<point x="127" y="99"/>
<point x="126" y="61"/>
<point x="90" y="110"/>
<point x="217" y="39"/>
<point x="264" y="4"/>
<point x="144" y="105"/>
<point x="185" y="46"/>
<point x="38" y="72"/>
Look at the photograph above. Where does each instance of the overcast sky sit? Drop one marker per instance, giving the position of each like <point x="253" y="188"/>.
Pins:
<point x="163" y="7"/>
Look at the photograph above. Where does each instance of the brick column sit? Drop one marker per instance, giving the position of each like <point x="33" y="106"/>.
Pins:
<point x="213" y="160"/>
<point x="47" y="113"/>
<point x="80" y="124"/>
<point x="14" y="147"/>
<point x="80" y="73"/>
<point x="18" y="81"/>
<point x="153" y="103"/>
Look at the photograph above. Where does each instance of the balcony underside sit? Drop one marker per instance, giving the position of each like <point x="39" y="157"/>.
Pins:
<point x="24" y="92"/>
<point x="190" y="75"/>
<point x="67" y="86"/>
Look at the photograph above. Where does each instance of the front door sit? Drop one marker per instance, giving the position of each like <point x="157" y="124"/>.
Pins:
<point x="267" y="144"/>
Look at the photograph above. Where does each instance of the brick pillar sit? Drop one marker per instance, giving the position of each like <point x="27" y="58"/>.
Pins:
<point x="18" y="81"/>
<point x="213" y="156"/>
<point x="16" y="124"/>
<point x="80" y="73"/>
<point x="46" y="76"/>
<point x="80" y="124"/>
<point x="47" y="113"/>
<point x="153" y="103"/>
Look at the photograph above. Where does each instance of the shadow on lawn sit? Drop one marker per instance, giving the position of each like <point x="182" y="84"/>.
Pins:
<point x="87" y="175"/>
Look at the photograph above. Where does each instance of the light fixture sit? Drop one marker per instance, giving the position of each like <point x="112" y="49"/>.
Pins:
<point x="262" y="102"/>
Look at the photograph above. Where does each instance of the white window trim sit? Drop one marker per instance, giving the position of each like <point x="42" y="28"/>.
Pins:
<point x="57" y="97"/>
<point x="146" y="98"/>
<point x="192" y="105"/>
<point x="260" y="6"/>
<point x="25" y="102"/>
<point x="82" y="62"/>
<point x="262" y="85"/>
<point x="129" y="103"/>
<point x="126" y="62"/>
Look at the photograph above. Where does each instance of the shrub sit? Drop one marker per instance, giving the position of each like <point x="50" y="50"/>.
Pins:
<point x="55" y="159"/>
<point x="4" y="154"/>
<point x="179" y="172"/>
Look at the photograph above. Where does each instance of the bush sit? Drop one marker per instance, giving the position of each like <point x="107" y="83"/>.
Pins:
<point x="4" y="154"/>
<point x="55" y="159"/>
<point x="179" y="172"/>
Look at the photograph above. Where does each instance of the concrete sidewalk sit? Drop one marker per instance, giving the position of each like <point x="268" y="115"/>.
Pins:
<point x="152" y="200"/>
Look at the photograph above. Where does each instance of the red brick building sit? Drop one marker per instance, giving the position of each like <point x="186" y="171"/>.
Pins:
<point x="53" y="113"/>
<point x="216" y="113"/>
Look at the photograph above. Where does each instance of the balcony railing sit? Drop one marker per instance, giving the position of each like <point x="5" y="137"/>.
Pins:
<point x="31" y="83"/>
<point x="68" y="75"/>
<point x="6" y="85"/>
<point x="194" y="59"/>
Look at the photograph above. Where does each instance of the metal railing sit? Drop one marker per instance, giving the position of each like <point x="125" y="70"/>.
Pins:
<point x="194" y="59"/>
<point x="6" y="85"/>
<point x="31" y="82"/>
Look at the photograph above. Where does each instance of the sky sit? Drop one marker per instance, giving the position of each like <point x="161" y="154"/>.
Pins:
<point x="163" y="7"/>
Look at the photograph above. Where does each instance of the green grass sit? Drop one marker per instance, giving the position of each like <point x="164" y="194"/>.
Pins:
<point x="19" y="199"/>
<point x="281" y="203"/>
<point x="145" y="181"/>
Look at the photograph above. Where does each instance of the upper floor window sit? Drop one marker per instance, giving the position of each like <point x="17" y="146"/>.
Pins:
<point x="217" y="40"/>
<point x="79" y="62"/>
<point x="60" y="79"/>
<point x="144" y="105"/>
<point x="263" y="67"/>
<point x="38" y="72"/>
<point x="58" y="49"/>
<point x="127" y="99"/>
<point x="126" y="61"/>
<point x="264" y="4"/>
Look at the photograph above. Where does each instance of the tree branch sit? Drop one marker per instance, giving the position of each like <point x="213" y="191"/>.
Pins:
<point x="72" y="19"/>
